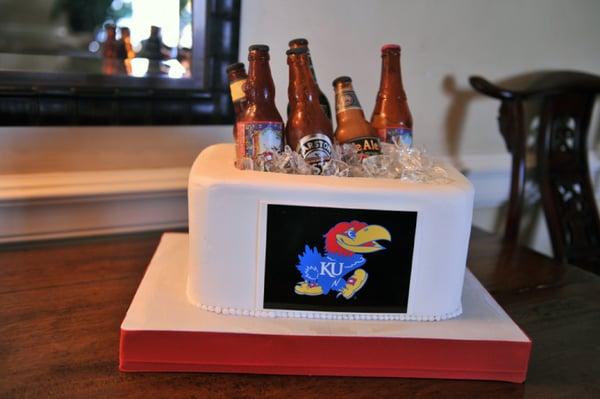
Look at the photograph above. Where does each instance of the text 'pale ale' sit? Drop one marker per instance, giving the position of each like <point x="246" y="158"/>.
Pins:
<point x="351" y="124"/>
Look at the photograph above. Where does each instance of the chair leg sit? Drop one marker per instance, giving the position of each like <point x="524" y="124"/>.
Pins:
<point x="511" y="125"/>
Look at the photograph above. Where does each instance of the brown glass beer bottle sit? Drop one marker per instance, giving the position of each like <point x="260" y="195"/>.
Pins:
<point x="236" y="73"/>
<point x="110" y="47"/>
<point x="391" y="116"/>
<point x="351" y="124"/>
<point x="127" y="48"/>
<point x="308" y="129"/>
<point x="303" y="43"/>
<point x="260" y="127"/>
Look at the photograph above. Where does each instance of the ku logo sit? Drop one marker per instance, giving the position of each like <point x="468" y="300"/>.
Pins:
<point x="345" y="244"/>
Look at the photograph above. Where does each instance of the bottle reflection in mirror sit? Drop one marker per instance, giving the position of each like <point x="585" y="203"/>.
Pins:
<point x="126" y="46"/>
<point x="110" y="46"/>
<point x="155" y="51"/>
<point x="154" y="57"/>
<point x="184" y="57"/>
<point x="127" y="49"/>
<point x="112" y="52"/>
<point x="153" y="47"/>
<point x="117" y="54"/>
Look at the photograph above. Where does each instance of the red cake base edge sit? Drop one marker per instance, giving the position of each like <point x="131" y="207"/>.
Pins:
<point x="185" y="351"/>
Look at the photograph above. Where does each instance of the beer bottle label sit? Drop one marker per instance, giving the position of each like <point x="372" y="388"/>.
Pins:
<point x="403" y="134"/>
<point x="315" y="149"/>
<point x="237" y="90"/>
<point x="366" y="145"/>
<point x="258" y="138"/>
<point x="345" y="100"/>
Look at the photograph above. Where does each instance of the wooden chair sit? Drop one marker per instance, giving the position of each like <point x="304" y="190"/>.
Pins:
<point x="558" y="140"/>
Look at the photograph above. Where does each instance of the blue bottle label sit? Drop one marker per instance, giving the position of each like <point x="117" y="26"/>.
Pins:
<point x="403" y="134"/>
<point x="259" y="138"/>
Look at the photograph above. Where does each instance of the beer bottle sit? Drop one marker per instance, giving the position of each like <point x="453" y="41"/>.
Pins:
<point x="308" y="129"/>
<point x="391" y="116"/>
<point x="260" y="127"/>
<point x="127" y="46"/>
<point x="351" y="124"/>
<point x="303" y="43"/>
<point x="236" y="73"/>
<point x="112" y="63"/>
<point x="110" y="47"/>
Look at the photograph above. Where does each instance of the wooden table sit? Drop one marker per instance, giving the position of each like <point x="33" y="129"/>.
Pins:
<point x="61" y="305"/>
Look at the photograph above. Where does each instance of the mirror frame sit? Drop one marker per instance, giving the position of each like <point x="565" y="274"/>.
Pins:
<point x="51" y="99"/>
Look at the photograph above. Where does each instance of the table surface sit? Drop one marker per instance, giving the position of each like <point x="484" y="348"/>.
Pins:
<point x="61" y="305"/>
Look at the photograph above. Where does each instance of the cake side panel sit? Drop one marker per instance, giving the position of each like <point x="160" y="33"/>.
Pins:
<point x="227" y="230"/>
<point x="441" y="251"/>
<point x="226" y="226"/>
<point x="444" y="222"/>
<point x="196" y="209"/>
<point x="217" y="259"/>
<point x="223" y="232"/>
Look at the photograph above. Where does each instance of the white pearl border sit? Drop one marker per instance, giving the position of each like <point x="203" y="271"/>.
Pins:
<point x="329" y="315"/>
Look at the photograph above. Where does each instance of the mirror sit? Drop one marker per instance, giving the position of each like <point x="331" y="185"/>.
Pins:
<point x="111" y="37"/>
<point x="64" y="52"/>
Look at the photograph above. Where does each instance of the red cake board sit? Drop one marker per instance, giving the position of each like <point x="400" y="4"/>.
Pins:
<point x="163" y="331"/>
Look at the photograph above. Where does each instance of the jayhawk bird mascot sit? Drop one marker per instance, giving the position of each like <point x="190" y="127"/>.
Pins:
<point x="344" y="245"/>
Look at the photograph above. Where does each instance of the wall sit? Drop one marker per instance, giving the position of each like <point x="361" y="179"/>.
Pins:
<point x="69" y="149"/>
<point x="443" y="43"/>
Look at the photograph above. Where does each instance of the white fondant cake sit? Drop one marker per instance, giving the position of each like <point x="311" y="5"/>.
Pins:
<point x="278" y="245"/>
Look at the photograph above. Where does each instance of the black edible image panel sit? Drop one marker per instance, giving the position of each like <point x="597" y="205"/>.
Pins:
<point x="337" y="259"/>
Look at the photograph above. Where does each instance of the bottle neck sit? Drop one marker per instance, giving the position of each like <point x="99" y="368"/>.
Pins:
<point x="346" y="101"/>
<point x="302" y="87"/>
<point x="391" y="76"/>
<point x="312" y="69"/>
<point x="111" y="36"/>
<point x="237" y="74"/>
<point x="310" y="64"/>
<point x="351" y="124"/>
<point x="259" y="85"/>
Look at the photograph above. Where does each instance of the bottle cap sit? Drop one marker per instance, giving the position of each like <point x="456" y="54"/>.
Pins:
<point x="390" y="47"/>
<point x="300" y="41"/>
<point x="259" y="47"/>
<point x="341" y="79"/>
<point x="236" y="65"/>
<point x="296" y="51"/>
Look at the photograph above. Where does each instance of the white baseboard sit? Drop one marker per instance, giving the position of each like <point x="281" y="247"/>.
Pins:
<point x="59" y="205"/>
<point x="490" y="175"/>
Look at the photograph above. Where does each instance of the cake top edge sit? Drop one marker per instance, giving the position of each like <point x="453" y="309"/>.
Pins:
<point x="217" y="162"/>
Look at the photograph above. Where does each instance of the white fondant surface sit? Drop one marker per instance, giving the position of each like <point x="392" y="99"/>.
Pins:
<point x="161" y="304"/>
<point x="227" y="225"/>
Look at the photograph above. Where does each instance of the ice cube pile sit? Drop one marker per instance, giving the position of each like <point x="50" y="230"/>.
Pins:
<point x="397" y="161"/>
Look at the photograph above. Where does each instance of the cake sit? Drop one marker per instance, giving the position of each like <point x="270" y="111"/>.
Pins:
<point x="299" y="246"/>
